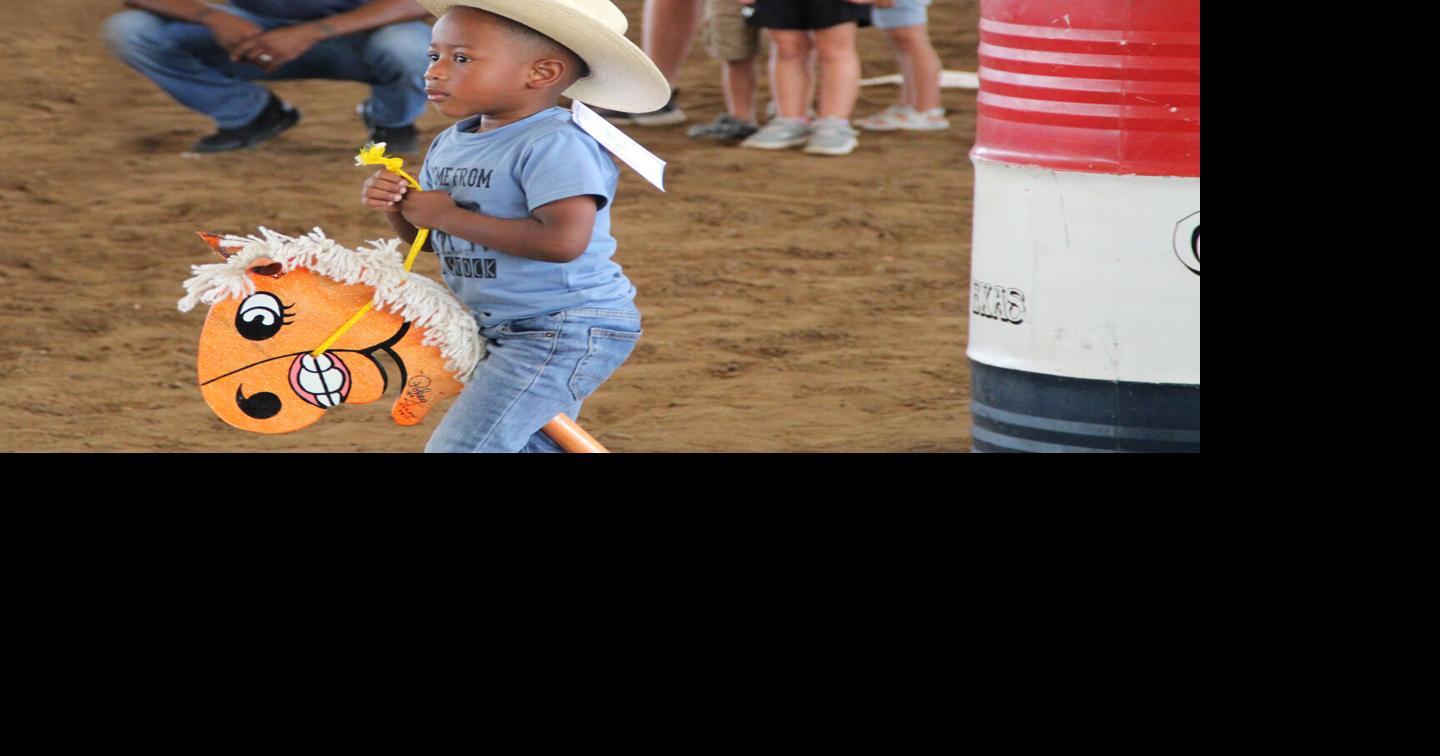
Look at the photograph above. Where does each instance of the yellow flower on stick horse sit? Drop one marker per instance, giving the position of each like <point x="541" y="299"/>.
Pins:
<point x="374" y="154"/>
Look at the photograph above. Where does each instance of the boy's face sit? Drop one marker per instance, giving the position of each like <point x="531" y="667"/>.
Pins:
<point x="475" y="66"/>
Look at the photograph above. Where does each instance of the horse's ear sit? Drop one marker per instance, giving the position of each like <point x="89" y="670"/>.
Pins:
<point x="214" y="241"/>
<point x="264" y="266"/>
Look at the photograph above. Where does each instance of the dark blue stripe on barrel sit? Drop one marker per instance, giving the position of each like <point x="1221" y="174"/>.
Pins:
<point x="1018" y="411"/>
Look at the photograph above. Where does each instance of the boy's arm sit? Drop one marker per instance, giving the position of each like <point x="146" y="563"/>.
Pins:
<point x="558" y="232"/>
<point x="405" y="230"/>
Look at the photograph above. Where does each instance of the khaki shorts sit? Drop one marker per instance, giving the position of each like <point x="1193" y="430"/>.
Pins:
<point x="727" y="36"/>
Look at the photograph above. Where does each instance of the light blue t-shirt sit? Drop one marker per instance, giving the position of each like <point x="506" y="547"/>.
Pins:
<point x="507" y="173"/>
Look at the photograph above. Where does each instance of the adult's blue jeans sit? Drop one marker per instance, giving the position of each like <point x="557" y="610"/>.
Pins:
<point x="534" y="369"/>
<point x="184" y="59"/>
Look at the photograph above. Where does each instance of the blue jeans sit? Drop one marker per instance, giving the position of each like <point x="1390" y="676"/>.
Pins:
<point x="185" y="60"/>
<point x="535" y="368"/>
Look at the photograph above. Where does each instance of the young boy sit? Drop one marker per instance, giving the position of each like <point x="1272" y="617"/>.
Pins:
<point x="791" y="24"/>
<point x="919" y="107"/>
<point x="518" y="199"/>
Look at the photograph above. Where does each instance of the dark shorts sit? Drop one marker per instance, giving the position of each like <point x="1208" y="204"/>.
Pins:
<point x="807" y="14"/>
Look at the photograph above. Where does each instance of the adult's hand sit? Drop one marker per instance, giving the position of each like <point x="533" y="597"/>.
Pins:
<point x="230" y="31"/>
<point x="277" y="47"/>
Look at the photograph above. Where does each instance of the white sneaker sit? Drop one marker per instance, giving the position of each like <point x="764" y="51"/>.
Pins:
<point x="779" y="134"/>
<point x="831" y="136"/>
<point x="930" y="120"/>
<point x="889" y="119"/>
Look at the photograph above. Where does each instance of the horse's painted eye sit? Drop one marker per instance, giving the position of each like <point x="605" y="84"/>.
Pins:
<point x="260" y="316"/>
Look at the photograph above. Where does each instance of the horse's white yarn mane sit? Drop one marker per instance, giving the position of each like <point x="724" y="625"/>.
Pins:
<point x="448" y="323"/>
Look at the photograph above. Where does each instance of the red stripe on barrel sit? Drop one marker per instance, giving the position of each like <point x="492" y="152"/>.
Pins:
<point x="1097" y="86"/>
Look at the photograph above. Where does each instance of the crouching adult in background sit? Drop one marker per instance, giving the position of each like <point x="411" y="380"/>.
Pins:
<point x="208" y="57"/>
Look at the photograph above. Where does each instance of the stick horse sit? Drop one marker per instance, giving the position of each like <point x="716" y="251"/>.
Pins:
<point x="297" y="325"/>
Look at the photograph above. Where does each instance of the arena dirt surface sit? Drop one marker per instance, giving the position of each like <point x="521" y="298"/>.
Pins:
<point x="792" y="303"/>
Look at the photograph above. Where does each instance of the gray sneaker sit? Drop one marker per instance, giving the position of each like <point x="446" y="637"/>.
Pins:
<point x="832" y="136"/>
<point x="725" y="128"/>
<point x="779" y="134"/>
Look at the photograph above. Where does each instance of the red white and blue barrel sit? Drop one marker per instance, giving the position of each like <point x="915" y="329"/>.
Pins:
<point x="1085" y="288"/>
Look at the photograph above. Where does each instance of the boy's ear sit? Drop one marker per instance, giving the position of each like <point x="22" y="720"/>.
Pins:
<point x="547" y="72"/>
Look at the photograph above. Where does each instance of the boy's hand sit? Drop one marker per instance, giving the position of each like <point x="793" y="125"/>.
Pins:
<point x="383" y="191"/>
<point x="426" y="209"/>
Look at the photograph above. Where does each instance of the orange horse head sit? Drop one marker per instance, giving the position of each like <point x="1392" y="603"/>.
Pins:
<point x="275" y="299"/>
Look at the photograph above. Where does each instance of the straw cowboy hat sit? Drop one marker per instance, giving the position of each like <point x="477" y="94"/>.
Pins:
<point x="621" y="76"/>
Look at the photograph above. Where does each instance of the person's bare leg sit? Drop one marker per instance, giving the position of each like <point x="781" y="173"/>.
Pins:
<point x="790" y="53"/>
<point x="922" y="80"/>
<point x="772" y="59"/>
<point x="907" y="80"/>
<point x="740" y="82"/>
<point x="668" y="32"/>
<point x="902" y="60"/>
<point x="839" y="70"/>
<point x="812" y="81"/>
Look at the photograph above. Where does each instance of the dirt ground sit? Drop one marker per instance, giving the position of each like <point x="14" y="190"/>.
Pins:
<point x="792" y="303"/>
